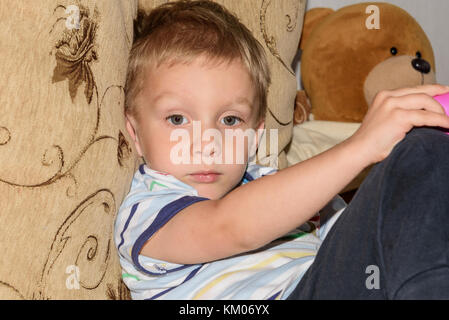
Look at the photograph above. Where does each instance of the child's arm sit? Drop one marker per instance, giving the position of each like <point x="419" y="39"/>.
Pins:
<point x="258" y="212"/>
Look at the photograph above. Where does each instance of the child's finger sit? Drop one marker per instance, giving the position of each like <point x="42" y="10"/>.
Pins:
<point x="420" y="118"/>
<point x="429" y="89"/>
<point x="415" y="101"/>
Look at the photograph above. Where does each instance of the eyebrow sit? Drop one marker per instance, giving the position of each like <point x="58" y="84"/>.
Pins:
<point x="243" y="105"/>
<point x="239" y="101"/>
<point x="164" y="95"/>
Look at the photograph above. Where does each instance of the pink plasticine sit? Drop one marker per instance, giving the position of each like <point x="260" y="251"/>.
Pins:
<point x="443" y="99"/>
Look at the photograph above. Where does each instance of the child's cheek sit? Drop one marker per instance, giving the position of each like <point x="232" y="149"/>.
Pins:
<point x="238" y="147"/>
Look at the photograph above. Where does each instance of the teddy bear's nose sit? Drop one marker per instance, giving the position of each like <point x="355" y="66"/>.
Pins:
<point x="421" y="65"/>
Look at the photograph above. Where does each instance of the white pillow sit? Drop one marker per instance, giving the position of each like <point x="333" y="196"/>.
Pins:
<point x="316" y="136"/>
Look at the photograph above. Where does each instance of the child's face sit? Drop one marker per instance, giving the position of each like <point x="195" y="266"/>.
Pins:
<point x="217" y="96"/>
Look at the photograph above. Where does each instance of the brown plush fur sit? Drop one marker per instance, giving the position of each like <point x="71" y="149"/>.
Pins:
<point x="344" y="64"/>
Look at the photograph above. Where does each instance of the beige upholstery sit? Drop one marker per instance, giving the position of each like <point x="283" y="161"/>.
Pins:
<point x="66" y="158"/>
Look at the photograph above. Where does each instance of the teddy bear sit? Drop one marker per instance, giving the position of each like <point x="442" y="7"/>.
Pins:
<point x="349" y="55"/>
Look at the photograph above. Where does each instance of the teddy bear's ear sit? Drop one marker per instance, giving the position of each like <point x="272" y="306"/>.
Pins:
<point x="302" y="108"/>
<point x="312" y="18"/>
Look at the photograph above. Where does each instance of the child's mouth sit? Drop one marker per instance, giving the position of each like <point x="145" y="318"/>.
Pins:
<point x="205" y="177"/>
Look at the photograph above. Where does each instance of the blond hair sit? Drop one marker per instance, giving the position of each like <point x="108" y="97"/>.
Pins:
<point x="183" y="30"/>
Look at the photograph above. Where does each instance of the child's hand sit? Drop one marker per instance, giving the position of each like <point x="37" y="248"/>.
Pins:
<point x="393" y="114"/>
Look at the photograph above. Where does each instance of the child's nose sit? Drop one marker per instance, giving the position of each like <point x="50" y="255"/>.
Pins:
<point x="208" y="144"/>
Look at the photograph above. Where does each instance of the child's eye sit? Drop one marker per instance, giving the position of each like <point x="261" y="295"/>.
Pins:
<point x="176" y="119"/>
<point x="230" y="120"/>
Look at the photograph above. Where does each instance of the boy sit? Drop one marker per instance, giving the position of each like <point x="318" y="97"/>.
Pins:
<point x="204" y="230"/>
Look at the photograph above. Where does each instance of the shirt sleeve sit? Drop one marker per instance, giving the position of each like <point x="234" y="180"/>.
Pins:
<point x="255" y="171"/>
<point x="138" y="220"/>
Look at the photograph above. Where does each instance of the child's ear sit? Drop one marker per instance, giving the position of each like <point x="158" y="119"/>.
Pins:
<point x="130" y="127"/>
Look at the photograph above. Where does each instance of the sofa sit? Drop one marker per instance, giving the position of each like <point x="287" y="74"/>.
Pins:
<point x="66" y="158"/>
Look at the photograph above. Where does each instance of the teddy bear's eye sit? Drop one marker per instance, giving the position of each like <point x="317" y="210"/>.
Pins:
<point x="418" y="54"/>
<point x="394" y="51"/>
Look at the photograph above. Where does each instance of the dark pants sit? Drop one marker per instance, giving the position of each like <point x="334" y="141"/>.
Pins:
<point x="392" y="241"/>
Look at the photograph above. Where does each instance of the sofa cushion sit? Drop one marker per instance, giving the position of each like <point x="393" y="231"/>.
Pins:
<point x="66" y="158"/>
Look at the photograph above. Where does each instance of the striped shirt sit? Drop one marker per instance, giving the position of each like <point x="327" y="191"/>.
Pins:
<point x="271" y="272"/>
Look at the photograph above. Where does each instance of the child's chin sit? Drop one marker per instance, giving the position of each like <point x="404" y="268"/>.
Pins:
<point x="210" y="192"/>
